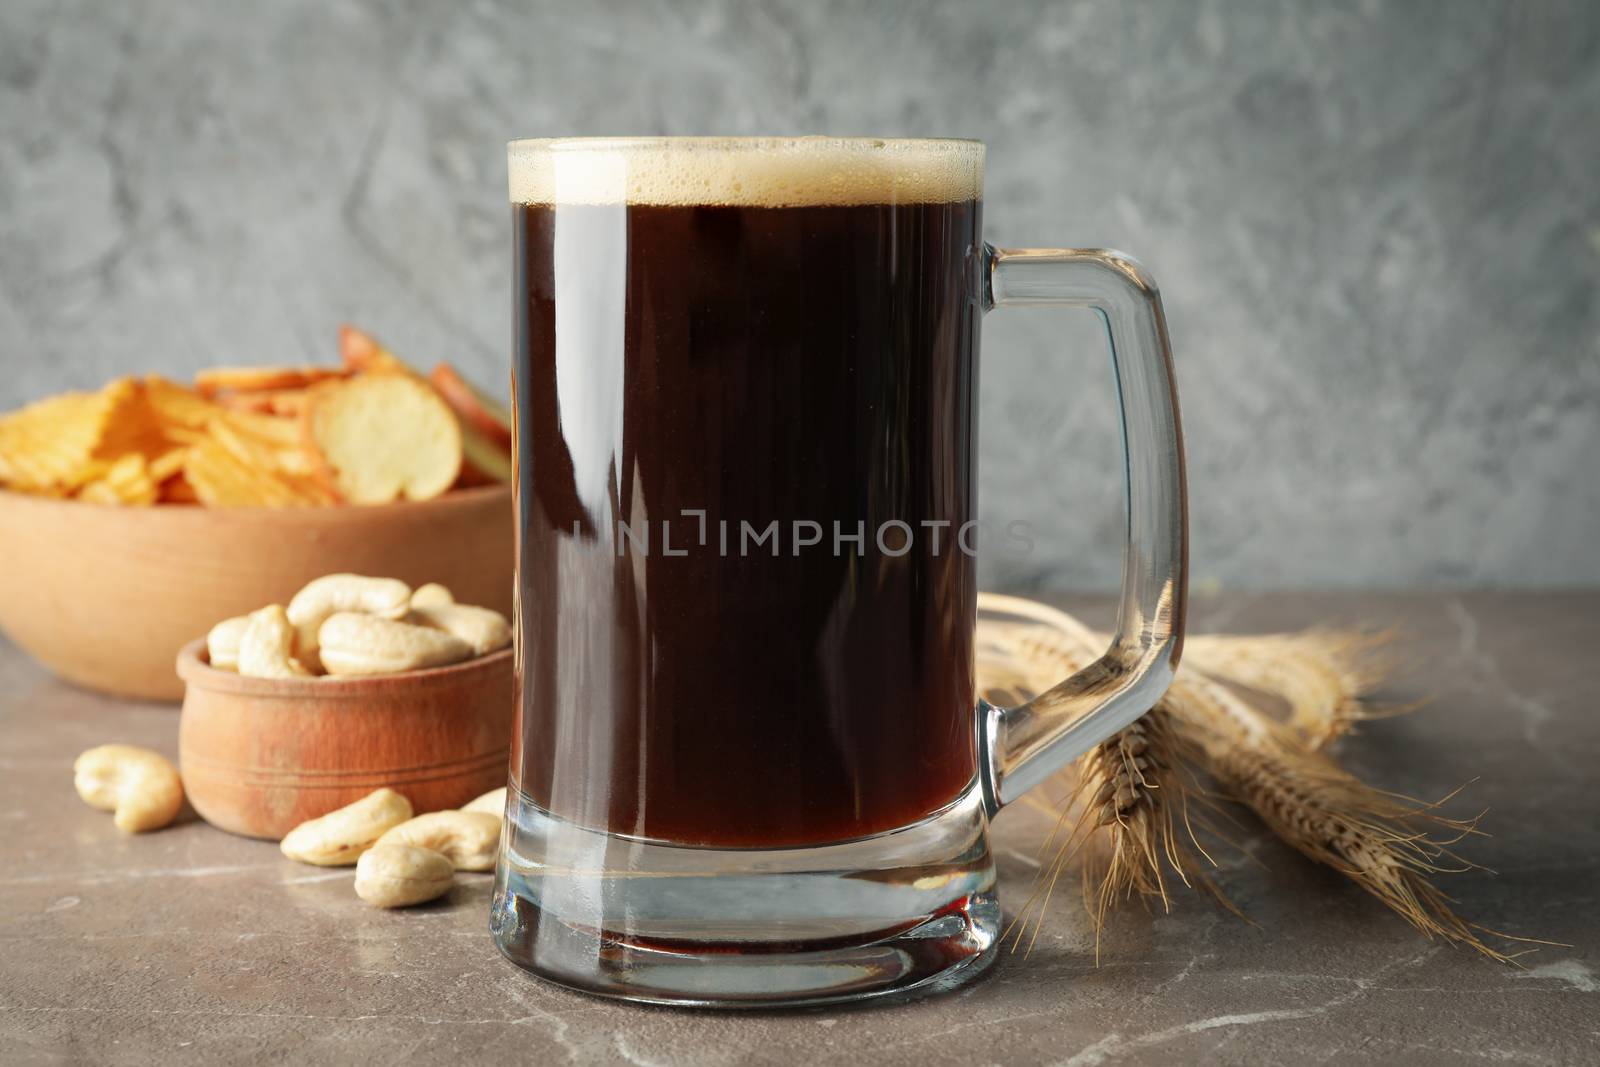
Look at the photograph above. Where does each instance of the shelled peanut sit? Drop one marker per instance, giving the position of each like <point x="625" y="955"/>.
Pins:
<point x="350" y="624"/>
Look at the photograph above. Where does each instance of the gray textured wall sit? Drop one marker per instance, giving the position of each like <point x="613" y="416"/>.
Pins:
<point x="1377" y="226"/>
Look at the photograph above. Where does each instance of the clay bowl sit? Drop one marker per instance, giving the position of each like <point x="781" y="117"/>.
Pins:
<point x="259" y="756"/>
<point x="105" y="596"/>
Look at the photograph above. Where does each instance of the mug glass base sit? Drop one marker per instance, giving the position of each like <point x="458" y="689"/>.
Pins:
<point x="907" y="912"/>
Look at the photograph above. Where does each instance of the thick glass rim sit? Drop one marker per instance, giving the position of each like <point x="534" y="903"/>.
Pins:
<point x="809" y="142"/>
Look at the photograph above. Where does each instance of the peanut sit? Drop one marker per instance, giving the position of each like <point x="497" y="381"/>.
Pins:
<point x="222" y="643"/>
<point x="493" y="802"/>
<point x="387" y="598"/>
<point x="467" y="838"/>
<point x="266" y="645"/>
<point x="482" y="628"/>
<point x="362" y="644"/>
<point x="141" y="786"/>
<point x="339" y="837"/>
<point x="431" y="595"/>
<point x="398" y="876"/>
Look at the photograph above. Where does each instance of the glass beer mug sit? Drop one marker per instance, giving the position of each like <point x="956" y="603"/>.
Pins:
<point x="750" y="765"/>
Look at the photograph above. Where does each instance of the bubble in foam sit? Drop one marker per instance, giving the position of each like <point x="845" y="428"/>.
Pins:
<point x="745" y="171"/>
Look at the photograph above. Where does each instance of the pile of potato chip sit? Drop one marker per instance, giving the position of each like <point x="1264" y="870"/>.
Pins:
<point x="370" y="431"/>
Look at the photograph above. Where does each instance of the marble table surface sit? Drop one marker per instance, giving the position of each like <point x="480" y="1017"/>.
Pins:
<point x="192" y="946"/>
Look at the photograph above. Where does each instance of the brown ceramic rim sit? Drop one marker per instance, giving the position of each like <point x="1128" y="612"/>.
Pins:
<point x="194" y="669"/>
<point x="268" y="777"/>
<point x="442" y="502"/>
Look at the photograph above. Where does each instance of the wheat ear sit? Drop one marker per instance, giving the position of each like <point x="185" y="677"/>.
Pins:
<point x="1130" y="813"/>
<point x="1129" y="817"/>
<point x="1387" y="844"/>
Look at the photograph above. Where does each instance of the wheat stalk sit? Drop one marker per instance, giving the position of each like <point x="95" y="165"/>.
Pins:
<point x="1131" y="814"/>
<point x="1323" y="676"/>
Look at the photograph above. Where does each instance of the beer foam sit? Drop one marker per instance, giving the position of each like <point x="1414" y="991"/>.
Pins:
<point x="744" y="171"/>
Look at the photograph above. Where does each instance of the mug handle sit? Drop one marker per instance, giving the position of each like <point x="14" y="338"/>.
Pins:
<point x="1022" y="746"/>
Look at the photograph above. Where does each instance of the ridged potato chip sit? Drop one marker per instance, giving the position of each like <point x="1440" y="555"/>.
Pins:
<point x="282" y="455"/>
<point x="475" y="408"/>
<point x="167" y="465"/>
<point x="178" y="405"/>
<point x="177" y="490"/>
<point x="361" y="352"/>
<point x="50" y="446"/>
<point x="134" y="426"/>
<point x="222" y="478"/>
<point x="249" y="379"/>
<point x="370" y="431"/>
<point x="126" y="481"/>
<point x="283" y="402"/>
<point x="278" y="431"/>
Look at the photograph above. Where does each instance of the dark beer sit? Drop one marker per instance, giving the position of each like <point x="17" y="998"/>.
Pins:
<point x="700" y="363"/>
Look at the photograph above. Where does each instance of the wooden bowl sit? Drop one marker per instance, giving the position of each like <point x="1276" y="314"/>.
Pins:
<point x="259" y="756"/>
<point x="105" y="596"/>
